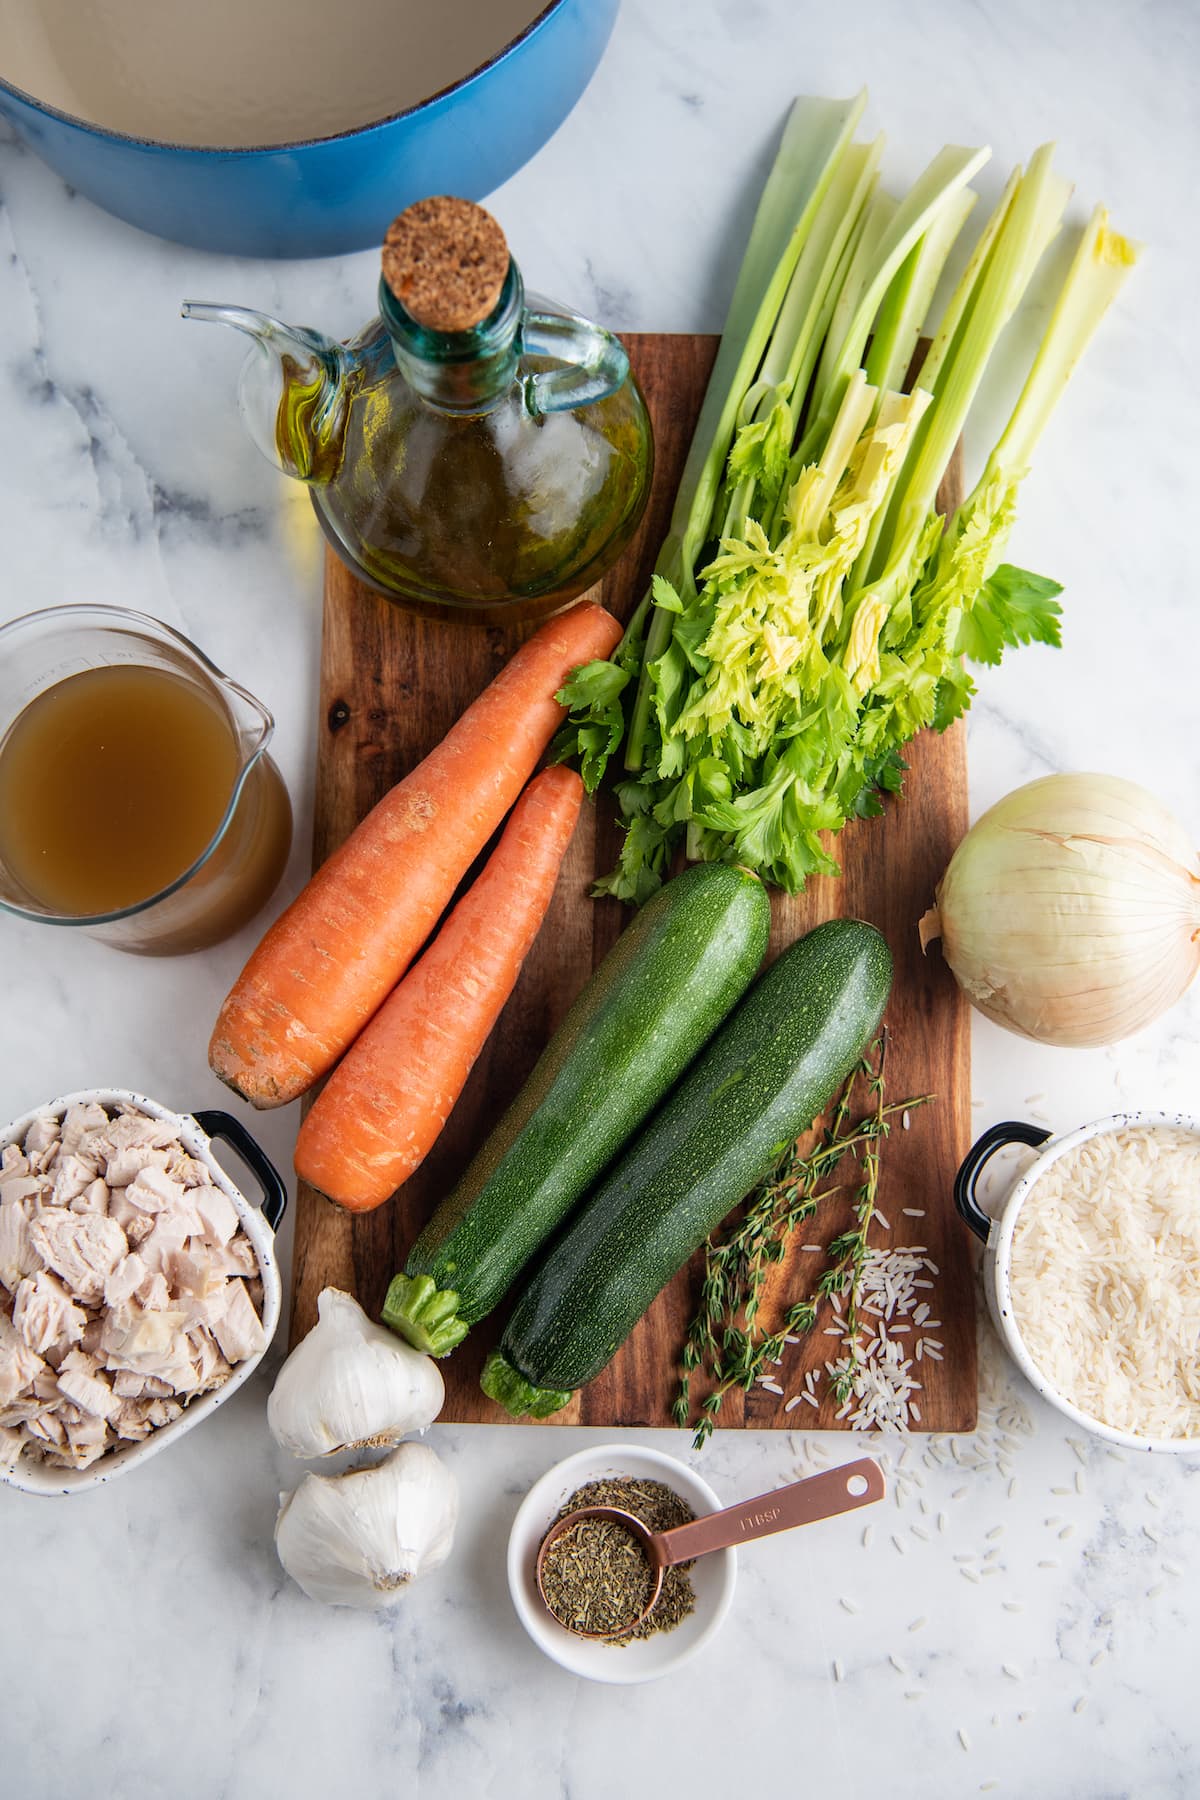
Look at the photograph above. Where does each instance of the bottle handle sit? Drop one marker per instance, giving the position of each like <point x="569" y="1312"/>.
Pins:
<point x="596" y="362"/>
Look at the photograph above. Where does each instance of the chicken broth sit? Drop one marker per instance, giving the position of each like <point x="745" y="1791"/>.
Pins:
<point x="112" y="783"/>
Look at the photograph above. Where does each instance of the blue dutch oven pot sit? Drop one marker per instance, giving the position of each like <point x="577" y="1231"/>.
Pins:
<point x="328" y="195"/>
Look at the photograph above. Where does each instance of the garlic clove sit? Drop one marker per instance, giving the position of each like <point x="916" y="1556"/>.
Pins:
<point x="362" y="1538"/>
<point x="351" y="1384"/>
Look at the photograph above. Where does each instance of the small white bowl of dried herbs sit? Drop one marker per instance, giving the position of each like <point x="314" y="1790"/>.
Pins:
<point x="696" y="1597"/>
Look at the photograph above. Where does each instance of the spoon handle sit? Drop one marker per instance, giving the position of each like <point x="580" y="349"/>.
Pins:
<point x="821" y="1496"/>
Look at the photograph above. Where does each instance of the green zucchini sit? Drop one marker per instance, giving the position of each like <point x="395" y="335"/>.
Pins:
<point x="770" y="1070"/>
<point x="657" y="997"/>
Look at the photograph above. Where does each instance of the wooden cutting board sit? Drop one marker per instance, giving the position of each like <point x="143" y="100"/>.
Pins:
<point x="391" y="685"/>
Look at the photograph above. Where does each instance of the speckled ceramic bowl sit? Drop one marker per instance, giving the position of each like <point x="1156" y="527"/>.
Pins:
<point x="713" y="1576"/>
<point x="196" y="1132"/>
<point x="997" y="1236"/>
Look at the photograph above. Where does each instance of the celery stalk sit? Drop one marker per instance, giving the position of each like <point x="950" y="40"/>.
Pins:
<point x="1099" y="269"/>
<point x="906" y="305"/>
<point x="792" y="351"/>
<point x="815" y="138"/>
<point x="950" y="171"/>
<point x="975" y="539"/>
<point x="1030" y="220"/>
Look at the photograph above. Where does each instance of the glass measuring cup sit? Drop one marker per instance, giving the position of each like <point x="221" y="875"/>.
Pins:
<point x="238" y="869"/>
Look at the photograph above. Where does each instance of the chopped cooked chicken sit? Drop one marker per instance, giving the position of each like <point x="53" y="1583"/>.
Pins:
<point x="84" y="1386"/>
<point x="237" y="1257"/>
<point x="217" y="1213"/>
<point x="239" y="1330"/>
<point x="191" y="1172"/>
<point x="48" y="1426"/>
<point x="93" y="1331"/>
<point x="123" y="1282"/>
<point x="129" y="1385"/>
<point x="137" y="1339"/>
<point x="16" y="1189"/>
<point x="18" y="1363"/>
<point x="154" y="1191"/>
<point x="11" y="1445"/>
<point x="152" y="1291"/>
<point x="136" y="1224"/>
<point x="79" y="1122"/>
<point x="18" y="1257"/>
<point x="163" y="1412"/>
<point x="72" y="1175"/>
<point x="83" y="1248"/>
<point x="130" y="1422"/>
<point x="126" y="1285"/>
<point x="191" y="1272"/>
<point x="210" y="1366"/>
<point x="45" y="1315"/>
<point x="94" y="1197"/>
<point x="169" y="1236"/>
<point x="44" y="1134"/>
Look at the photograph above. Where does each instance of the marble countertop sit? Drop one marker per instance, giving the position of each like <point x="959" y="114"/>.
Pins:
<point x="1025" y="1607"/>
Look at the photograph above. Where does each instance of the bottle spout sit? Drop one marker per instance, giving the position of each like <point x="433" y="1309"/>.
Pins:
<point x="290" y="390"/>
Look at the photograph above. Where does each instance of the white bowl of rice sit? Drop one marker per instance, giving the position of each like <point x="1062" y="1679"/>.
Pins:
<point x="1092" y="1272"/>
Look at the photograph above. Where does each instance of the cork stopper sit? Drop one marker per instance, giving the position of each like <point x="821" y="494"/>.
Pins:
<point x="445" y="260"/>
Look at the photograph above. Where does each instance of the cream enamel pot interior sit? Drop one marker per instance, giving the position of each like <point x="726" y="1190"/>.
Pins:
<point x="196" y="1132"/>
<point x="996" y="1234"/>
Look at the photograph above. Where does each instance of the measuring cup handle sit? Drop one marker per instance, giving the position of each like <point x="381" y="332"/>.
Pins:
<point x="1011" y="1131"/>
<point x="820" y="1496"/>
<point x="224" y="1127"/>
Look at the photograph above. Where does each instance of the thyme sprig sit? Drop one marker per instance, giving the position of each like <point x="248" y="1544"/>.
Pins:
<point x="724" y="1343"/>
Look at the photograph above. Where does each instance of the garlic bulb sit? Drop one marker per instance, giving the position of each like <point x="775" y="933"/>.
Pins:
<point x="359" y="1539"/>
<point x="351" y="1384"/>
<point x="1070" y="912"/>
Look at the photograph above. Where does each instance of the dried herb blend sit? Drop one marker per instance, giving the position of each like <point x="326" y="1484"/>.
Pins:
<point x="596" y="1577"/>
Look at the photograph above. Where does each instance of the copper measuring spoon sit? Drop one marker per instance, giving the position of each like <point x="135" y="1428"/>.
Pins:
<point x="821" y="1496"/>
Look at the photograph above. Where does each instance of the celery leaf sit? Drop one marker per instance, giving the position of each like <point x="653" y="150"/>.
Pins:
<point x="1013" y="607"/>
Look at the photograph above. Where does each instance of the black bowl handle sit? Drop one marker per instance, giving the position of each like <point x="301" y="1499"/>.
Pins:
<point x="226" y="1128"/>
<point x="1011" y="1131"/>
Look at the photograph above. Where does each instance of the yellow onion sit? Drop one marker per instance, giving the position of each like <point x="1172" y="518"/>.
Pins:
<point x="1070" y="912"/>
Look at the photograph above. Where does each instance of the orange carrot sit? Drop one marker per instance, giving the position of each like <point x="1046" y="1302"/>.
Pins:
<point x="382" y="1109"/>
<point x="339" y="949"/>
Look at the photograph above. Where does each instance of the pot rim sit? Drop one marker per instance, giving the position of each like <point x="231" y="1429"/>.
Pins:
<point x="42" y="1478"/>
<point x="999" y="1253"/>
<point x="330" y="137"/>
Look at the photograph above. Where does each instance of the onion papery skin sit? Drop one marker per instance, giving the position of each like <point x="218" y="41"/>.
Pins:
<point x="1070" y="912"/>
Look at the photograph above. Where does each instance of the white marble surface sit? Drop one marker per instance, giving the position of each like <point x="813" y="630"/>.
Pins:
<point x="151" y="1643"/>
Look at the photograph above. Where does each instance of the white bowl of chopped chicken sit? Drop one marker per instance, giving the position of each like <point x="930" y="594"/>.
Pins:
<point x="138" y="1285"/>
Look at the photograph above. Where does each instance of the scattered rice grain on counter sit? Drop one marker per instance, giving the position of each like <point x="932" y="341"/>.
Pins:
<point x="1106" y="1279"/>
